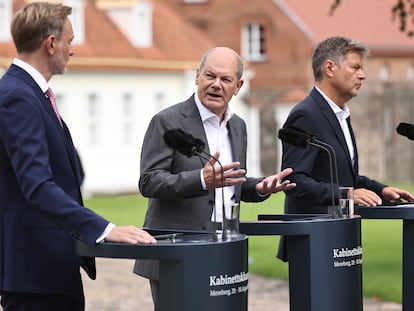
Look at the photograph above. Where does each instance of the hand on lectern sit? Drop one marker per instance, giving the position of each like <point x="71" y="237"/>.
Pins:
<point x="130" y="235"/>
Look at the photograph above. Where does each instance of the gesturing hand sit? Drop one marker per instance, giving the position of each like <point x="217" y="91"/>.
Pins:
<point x="273" y="184"/>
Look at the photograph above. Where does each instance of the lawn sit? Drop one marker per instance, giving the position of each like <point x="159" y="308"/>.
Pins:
<point x="381" y="242"/>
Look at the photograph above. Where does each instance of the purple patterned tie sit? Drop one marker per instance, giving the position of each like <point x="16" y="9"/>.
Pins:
<point x="52" y="98"/>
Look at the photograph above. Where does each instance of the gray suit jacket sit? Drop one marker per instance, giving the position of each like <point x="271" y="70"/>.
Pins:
<point x="171" y="180"/>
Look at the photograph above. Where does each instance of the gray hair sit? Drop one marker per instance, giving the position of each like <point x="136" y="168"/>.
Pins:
<point x="335" y="49"/>
<point x="239" y="70"/>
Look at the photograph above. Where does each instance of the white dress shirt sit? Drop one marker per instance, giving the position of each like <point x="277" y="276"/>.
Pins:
<point x="342" y="115"/>
<point x="218" y="140"/>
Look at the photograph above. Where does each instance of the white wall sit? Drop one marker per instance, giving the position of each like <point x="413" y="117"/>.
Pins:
<point x="112" y="165"/>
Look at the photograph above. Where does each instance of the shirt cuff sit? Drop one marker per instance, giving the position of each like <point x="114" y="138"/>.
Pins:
<point x="203" y="183"/>
<point x="108" y="229"/>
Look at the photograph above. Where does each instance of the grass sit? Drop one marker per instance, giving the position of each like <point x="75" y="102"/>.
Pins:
<point x="381" y="242"/>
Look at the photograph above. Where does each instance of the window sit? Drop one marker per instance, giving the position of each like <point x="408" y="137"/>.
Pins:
<point x="127" y="119"/>
<point x="384" y="73"/>
<point x="77" y="17"/>
<point x="410" y="73"/>
<point x="143" y="24"/>
<point x="253" y="41"/>
<point x="93" y="119"/>
<point x="5" y="20"/>
<point x="62" y="107"/>
<point x="159" y="101"/>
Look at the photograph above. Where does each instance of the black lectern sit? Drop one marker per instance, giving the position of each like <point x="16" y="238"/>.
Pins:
<point x="405" y="212"/>
<point x="325" y="259"/>
<point x="196" y="272"/>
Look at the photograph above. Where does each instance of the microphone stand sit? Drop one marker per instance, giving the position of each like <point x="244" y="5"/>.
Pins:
<point x="332" y="165"/>
<point x="207" y="156"/>
<point x="300" y="138"/>
<point x="188" y="145"/>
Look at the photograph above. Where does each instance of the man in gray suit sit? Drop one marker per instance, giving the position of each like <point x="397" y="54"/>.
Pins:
<point x="181" y="190"/>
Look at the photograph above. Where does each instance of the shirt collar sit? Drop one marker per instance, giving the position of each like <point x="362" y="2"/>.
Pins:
<point x="207" y="114"/>
<point x="340" y="113"/>
<point x="36" y="75"/>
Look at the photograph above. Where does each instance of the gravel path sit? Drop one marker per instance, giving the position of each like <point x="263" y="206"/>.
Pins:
<point x="118" y="289"/>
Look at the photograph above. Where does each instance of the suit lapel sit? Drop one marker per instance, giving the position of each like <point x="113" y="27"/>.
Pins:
<point x="192" y="121"/>
<point x="334" y="124"/>
<point x="192" y="124"/>
<point x="62" y="132"/>
<point x="236" y="140"/>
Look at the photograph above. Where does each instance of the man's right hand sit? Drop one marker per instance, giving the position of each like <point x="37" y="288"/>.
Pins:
<point x="366" y="197"/>
<point x="130" y="235"/>
<point x="232" y="174"/>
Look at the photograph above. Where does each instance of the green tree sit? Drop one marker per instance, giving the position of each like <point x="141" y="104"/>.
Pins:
<point x="402" y="9"/>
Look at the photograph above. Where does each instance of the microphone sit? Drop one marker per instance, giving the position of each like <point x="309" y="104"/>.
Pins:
<point x="406" y="129"/>
<point x="183" y="142"/>
<point x="294" y="135"/>
<point x="188" y="145"/>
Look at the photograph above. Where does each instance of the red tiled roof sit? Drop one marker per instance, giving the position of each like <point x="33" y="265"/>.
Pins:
<point x="177" y="37"/>
<point x="175" y="42"/>
<point x="173" y="37"/>
<point x="367" y="20"/>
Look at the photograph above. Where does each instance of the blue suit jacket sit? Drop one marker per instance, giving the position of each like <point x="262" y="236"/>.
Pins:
<point x="313" y="192"/>
<point x="40" y="200"/>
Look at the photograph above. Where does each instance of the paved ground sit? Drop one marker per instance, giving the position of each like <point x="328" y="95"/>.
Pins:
<point x="118" y="289"/>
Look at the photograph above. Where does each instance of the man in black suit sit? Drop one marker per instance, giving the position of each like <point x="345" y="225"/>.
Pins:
<point x="181" y="190"/>
<point x="41" y="209"/>
<point x="337" y="65"/>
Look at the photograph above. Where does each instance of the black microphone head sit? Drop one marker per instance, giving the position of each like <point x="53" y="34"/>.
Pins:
<point x="183" y="142"/>
<point x="300" y="131"/>
<point x="293" y="137"/>
<point x="406" y="129"/>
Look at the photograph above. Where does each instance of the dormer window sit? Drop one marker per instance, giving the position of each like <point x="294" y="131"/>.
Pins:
<point x="5" y="20"/>
<point x="253" y="42"/>
<point x="78" y="20"/>
<point x="143" y="24"/>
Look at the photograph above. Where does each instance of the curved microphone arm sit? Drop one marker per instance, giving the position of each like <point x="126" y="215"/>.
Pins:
<point x="330" y="168"/>
<point x="332" y="165"/>
<point x="206" y="156"/>
<point x="201" y="156"/>
<point x="333" y="154"/>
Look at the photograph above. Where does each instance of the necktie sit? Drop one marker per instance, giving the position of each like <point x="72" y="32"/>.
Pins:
<point x="52" y="98"/>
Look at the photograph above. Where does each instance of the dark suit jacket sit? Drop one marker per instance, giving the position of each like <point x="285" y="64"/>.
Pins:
<point x="40" y="198"/>
<point x="171" y="180"/>
<point x="313" y="192"/>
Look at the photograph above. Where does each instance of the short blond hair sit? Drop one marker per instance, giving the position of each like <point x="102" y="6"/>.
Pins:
<point x="35" y="21"/>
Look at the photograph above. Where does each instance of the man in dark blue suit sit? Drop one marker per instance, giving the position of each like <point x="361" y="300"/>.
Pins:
<point x="41" y="208"/>
<point x="337" y="65"/>
<point x="338" y="71"/>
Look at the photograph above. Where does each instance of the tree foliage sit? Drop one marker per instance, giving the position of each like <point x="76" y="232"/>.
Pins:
<point x="401" y="9"/>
